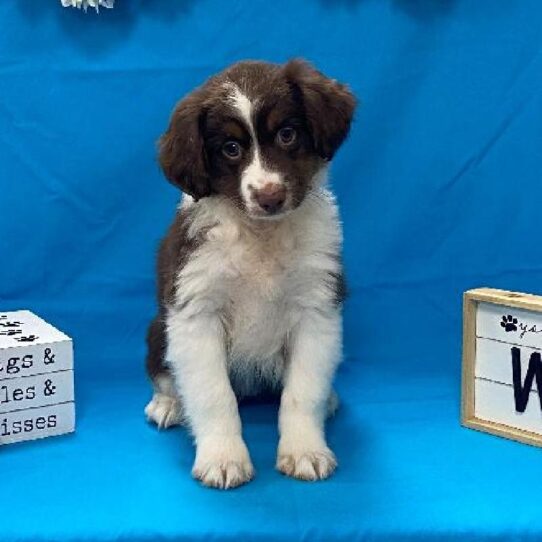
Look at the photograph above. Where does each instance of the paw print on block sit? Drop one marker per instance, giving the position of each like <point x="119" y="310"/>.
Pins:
<point x="26" y="338"/>
<point x="11" y="332"/>
<point x="509" y="323"/>
<point x="10" y="324"/>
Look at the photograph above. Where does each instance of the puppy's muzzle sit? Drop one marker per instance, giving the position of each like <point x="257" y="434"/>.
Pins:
<point x="271" y="197"/>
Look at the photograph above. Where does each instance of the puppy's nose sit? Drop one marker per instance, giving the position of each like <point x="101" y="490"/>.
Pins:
<point x="271" y="197"/>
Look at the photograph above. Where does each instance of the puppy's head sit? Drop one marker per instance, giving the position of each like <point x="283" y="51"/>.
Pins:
<point x="257" y="134"/>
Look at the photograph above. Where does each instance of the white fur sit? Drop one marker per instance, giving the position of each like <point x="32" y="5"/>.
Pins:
<point x="250" y="292"/>
<point x="164" y="409"/>
<point x="243" y="104"/>
<point x="255" y="176"/>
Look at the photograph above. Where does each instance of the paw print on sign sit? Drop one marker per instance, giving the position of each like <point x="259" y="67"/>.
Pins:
<point x="509" y="323"/>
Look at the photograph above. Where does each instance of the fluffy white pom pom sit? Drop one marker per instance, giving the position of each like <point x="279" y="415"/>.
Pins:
<point x="85" y="4"/>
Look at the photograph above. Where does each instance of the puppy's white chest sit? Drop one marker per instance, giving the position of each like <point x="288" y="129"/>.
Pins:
<point x="260" y="270"/>
<point x="257" y="286"/>
<point x="257" y="260"/>
<point x="258" y="283"/>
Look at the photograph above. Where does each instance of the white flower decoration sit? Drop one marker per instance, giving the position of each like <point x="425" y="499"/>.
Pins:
<point x="85" y="4"/>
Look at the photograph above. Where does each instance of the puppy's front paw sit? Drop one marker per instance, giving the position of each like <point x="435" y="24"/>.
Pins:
<point x="223" y="463"/>
<point x="310" y="465"/>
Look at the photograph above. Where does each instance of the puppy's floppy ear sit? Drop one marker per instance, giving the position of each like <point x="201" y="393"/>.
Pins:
<point x="181" y="149"/>
<point x="329" y="105"/>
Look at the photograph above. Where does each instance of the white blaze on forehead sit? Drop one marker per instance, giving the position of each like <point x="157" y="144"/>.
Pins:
<point x="255" y="174"/>
<point x="244" y="105"/>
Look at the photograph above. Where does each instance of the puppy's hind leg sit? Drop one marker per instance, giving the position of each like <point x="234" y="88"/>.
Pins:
<point x="164" y="409"/>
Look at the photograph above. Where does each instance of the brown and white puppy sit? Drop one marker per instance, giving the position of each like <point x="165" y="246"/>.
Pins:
<point x="249" y="275"/>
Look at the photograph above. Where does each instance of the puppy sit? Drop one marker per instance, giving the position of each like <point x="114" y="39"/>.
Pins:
<point x="250" y="283"/>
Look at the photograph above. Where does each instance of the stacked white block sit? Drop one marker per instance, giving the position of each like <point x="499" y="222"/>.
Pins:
<point x="36" y="379"/>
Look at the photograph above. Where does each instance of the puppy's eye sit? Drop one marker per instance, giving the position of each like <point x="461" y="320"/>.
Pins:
<point x="286" y="136"/>
<point x="231" y="150"/>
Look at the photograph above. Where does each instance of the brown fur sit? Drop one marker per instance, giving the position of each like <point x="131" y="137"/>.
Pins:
<point x="321" y="109"/>
<point x="173" y="253"/>
<point x="190" y="153"/>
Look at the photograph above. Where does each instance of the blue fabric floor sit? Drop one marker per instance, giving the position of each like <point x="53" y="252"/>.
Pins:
<point x="408" y="471"/>
<point x="439" y="186"/>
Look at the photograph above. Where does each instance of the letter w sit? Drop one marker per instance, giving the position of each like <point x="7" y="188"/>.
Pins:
<point x="522" y="390"/>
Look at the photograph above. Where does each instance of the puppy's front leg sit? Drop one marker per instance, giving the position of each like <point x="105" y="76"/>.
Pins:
<point x="314" y="353"/>
<point x="197" y="354"/>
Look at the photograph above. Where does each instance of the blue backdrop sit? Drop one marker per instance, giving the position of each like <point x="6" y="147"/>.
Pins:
<point x="440" y="188"/>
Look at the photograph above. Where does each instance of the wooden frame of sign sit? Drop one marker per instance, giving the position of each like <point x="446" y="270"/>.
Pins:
<point x="502" y="368"/>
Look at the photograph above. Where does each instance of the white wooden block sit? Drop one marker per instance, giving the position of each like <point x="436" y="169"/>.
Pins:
<point x="36" y="359"/>
<point x="502" y="364"/>
<point x="36" y="391"/>
<point x="35" y="423"/>
<point x="29" y="346"/>
<point x="36" y="379"/>
<point x="33" y="329"/>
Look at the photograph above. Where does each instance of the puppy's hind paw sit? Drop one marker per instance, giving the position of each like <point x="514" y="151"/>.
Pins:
<point x="311" y="465"/>
<point x="164" y="411"/>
